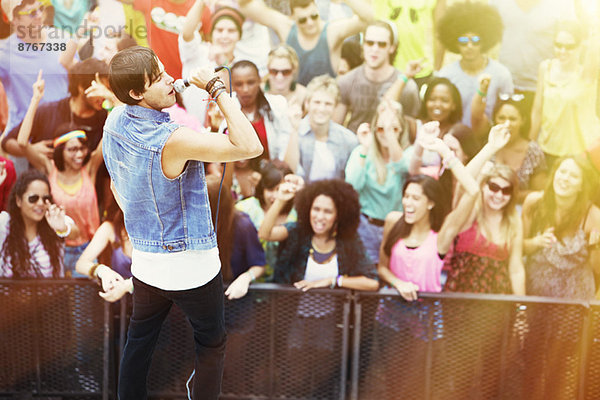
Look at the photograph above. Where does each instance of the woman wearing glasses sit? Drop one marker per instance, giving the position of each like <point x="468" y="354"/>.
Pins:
<point x="470" y="30"/>
<point x="524" y="156"/>
<point x="72" y="174"/>
<point x="283" y="71"/>
<point x="487" y="236"/>
<point x="32" y="229"/>
<point x="563" y="119"/>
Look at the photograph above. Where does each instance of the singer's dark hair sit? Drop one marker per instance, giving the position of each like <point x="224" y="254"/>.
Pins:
<point x="262" y="104"/>
<point x="129" y="69"/>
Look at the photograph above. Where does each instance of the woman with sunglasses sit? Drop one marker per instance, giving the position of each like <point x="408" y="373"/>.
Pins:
<point x="72" y="174"/>
<point x="487" y="233"/>
<point x="563" y="119"/>
<point x="562" y="233"/>
<point x="32" y="231"/>
<point x="471" y="30"/>
<point x="283" y="71"/>
<point x="524" y="156"/>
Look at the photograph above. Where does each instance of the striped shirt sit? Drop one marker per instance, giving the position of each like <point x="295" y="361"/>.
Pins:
<point x="40" y="259"/>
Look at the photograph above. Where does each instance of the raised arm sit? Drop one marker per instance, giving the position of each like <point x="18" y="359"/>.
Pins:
<point x="394" y="92"/>
<point x="286" y="192"/>
<point x="192" y="20"/>
<point x="516" y="269"/>
<point x="498" y="138"/>
<point x="538" y="102"/>
<point x="341" y="29"/>
<point x="185" y="144"/>
<point x="257" y="11"/>
<point x="38" y="159"/>
<point x="479" y="120"/>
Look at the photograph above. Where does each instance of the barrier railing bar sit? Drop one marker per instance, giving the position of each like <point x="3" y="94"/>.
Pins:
<point x="584" y="352"/>
<point x="429" y="356"/>
<point x="507" y="324"/>
<point x="271" y="387"/>
<point x="36" y="343"/>
<point x="345" y="337"/>
<point x="355" y="350"/>
<point x="106" y="351"/>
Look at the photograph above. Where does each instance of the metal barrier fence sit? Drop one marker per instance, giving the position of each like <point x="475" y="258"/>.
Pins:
<point x="57" y="339"/>
<point x="54" y="339"/>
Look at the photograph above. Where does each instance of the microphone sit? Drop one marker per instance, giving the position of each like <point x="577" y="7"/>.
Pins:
<point x="181" y="84"/>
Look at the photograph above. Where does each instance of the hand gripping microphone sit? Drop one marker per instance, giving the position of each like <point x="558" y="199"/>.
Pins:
<point x="181" y="84"/>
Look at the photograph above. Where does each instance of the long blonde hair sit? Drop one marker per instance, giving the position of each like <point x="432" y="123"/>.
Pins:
<point x="510" y="217"/>
<point x="375" y="153"/>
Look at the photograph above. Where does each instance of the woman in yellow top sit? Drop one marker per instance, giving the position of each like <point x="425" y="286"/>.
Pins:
<point x="563" y="119"/>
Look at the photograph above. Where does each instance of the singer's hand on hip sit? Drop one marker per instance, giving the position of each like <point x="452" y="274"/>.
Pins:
<point x="201" y="76"/>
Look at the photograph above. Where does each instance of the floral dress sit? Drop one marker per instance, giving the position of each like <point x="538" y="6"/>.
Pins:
<point x="477" y="265"/>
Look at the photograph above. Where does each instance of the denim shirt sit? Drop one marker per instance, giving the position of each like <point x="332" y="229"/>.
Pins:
<point x="340" y="141"/>
<point x="162" y="215"/>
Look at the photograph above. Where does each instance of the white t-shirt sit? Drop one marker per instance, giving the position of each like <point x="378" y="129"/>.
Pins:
<point x="323" y="166"/>
<point x="176" y="271"/>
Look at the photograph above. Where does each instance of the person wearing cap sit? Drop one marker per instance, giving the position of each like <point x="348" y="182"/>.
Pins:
<point x="317" y="43"/>
<point x="20" y="63"/>
<point x="225" y="32"/>
<point x="362" y="88"/>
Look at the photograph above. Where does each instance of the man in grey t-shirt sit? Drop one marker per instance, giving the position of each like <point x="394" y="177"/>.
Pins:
<point x="362" y="88"/>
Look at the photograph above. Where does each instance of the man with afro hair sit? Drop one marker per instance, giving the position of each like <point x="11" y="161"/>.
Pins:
<point x="471" y="30"/>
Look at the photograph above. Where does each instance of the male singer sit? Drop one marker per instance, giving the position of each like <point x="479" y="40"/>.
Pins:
<point x="158" y="180"/>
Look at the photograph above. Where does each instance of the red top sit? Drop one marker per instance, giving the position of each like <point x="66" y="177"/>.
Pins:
<point x="261" y="131"/>
<point x="6" y="186"/>
<point x="164" y="29"/>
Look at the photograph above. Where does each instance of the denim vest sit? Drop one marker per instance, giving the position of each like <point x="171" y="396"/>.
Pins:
<point x="161" y="215"/>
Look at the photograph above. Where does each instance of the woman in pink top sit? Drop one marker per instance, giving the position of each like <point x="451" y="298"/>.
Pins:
<point x="72" y="175"/>
<point x="410" y="257"/>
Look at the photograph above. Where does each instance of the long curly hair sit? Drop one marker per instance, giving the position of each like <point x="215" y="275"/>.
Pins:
<point x="456" y="115"/>
<point x="478" y="18"/>
<point x="434" y="192"/>
<point x="346" y="203"/>
<point x="15" y="250"/>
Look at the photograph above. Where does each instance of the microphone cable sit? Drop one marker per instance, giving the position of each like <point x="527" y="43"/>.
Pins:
<point x="187" y="384"/>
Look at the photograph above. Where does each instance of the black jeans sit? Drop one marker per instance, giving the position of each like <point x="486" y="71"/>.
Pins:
<point x="203" y="307"/>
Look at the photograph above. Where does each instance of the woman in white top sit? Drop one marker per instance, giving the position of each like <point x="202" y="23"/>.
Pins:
<point x="32" y="230"/>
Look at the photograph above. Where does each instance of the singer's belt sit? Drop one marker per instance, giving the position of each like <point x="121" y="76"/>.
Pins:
<point x="374" y="221"/>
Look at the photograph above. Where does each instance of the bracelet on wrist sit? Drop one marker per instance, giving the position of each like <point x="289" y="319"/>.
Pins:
<point x="220" y="92"/>
<point x="252" y="276"/>
<point x="216" y="88"/>
<point x="480" y="93"/>
<point x="404" y="78"/>
<point x="361" y="155"/>
<point x="339" y="281"/>
<point x="210" y="85"/>
<point x="65" y="233"/>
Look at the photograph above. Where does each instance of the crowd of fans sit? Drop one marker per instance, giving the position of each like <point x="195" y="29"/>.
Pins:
<point x="423" y="145"/>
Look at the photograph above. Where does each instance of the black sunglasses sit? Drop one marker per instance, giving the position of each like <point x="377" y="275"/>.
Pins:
<point x="372" y="43"/>
<point x="506" y="190"/>
<point x="32" y="199"/>
<point x="303" y="20"/>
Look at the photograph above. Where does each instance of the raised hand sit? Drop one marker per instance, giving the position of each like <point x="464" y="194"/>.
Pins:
<point x="38" y="87"/>
<point x="289" y="187"/>
<point x="363" y="133"/>
<point x="44" y="147"/>
<point x="484" y="82"/>
<point x="98" y="89"/>
<point x="201" y="76"/>
<point x="55" y="216"/>
<point x="499" y="136"/>
<point x="428" y="132"/>
<point x="413" y="68"/>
